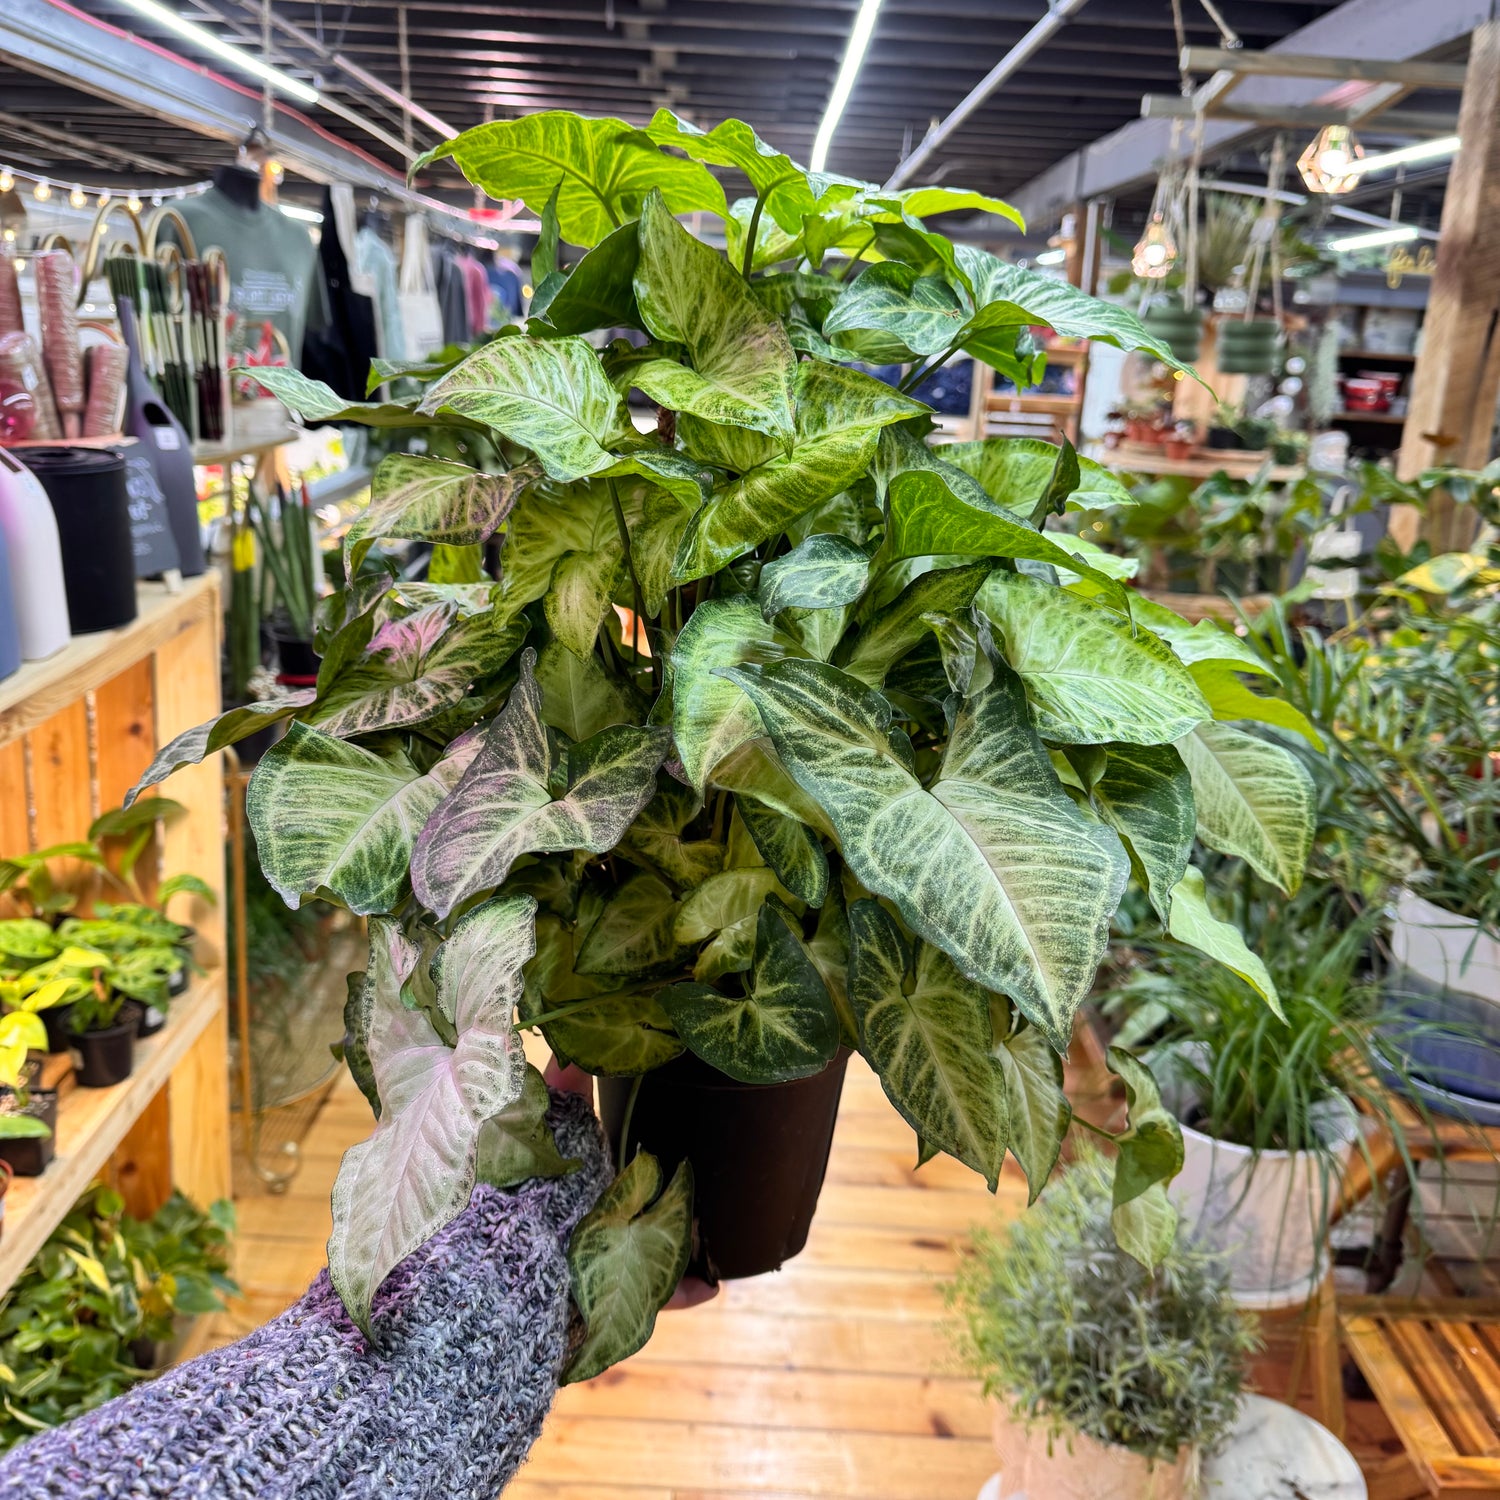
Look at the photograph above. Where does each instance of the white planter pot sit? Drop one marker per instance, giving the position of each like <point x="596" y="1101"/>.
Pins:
<point x="1444" y="951"/>
<point x="1079" y="1468"/>
<point x="1266" y="1212"/>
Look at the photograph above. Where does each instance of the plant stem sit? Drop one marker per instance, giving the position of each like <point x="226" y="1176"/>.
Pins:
<point x="920" y="372"/>
<point x="637" y="597"/>
<point x="563" y="1012"/>
<point x="750" y="235"/>
<point x="635" y="1090"/>
<point x="1097" y="1130"/>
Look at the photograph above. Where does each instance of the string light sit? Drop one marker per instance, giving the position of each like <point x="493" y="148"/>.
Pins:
<point x="7" y="181"/>
<point x="78" y="198"/>
<point x="42" y="191"/>
<point x="10" y="236"/>
<point x="133" y="203"/>
<point x="104" y="196"/>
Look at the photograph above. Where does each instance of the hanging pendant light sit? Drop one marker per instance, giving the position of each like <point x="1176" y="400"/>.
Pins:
<point x="1329" y="165"/>
<point x="1155" y="254"/>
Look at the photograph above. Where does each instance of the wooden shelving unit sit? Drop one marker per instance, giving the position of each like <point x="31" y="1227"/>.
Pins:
<point x="76" y="731"/>
<point x="1047" y="415"/>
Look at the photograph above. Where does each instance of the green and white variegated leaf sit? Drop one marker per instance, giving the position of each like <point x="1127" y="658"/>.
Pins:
<point x="726" y="900"/>
<point x="564" y="545"/>
<point x="196" y="744"/>
<point x="655" y="838"/>
<point x="742" y="366"/>
<point x="931" y="1044"/>
<point x="822" y="573"/>
<point x="1206" y="644"/>
<point x="1193" y="922"/>
<point x="789" y="847"/>
<point x="1254" y="799"/>
<point x="415" y="1173"/>
<point x="1150" y="1155"/>
<point x="779" y="183"/>
<point x="633" y="936"/>
<point x="994" y="863"/>
<point x="626" y="1258"/>
<point x="752" y="770"/>
<point x="1229" y="698"/>
<point x="657" y="511"/>
<point x="928" y="517"/>
<point x="544" y="255"/>
<point x="549" y="395"/>
<point x="578" y="696"/>
<point x="919" y="202"/>
<point x="600" y="169"/>
<point x="1037" y="1110"/>
<point x="337" y="818"/>
<point x="1146" y="794"/>
<point x="316" y="403"/>
<point x="897" y="314"/>
<point x="599" y="292"/>
<point x="517" y="1144"/>
<point x="412" y="669"/>
<point x="502" y="806"/>
<point x="829" y="950"/>
<point x="784" y="1027"/>
<point x="711" y="717"/>
<point x="620" y="1036"/>
<point x="839" y="417"/>
<point x="735" y="448"/>
<point x="392" y="958"/>
<point x="1015" y="473"/>
<point x="772" y="242"/>
<point x="1008" y="296"/>
<point x="431" y="500"/>
<point x="1090" y="679"/>
<point x="902" y="624"/>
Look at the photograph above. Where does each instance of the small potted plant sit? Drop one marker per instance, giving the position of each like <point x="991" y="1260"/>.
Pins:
<point x="102" y="1026"/>
<point x="28" y="1115"/>
<point x="1182" y="441"/>
<point x="1112" y="1380"/>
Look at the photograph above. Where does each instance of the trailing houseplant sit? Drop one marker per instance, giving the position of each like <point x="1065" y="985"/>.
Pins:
<point x="1112" y="1380"/>
<point x="780" y="733"/>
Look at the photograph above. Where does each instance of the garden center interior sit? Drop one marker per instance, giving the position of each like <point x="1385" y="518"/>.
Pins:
<point x="750" y="751"/>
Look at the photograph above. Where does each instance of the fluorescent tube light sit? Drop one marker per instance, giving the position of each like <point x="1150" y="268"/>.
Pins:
<point x="302" y="215"/>
<point x="843" y="85"/>
<point x="1398" y="235"/>
<point x="236" y="57"/>
<point x="1051" y="258"/>
<point x="1446" y="145"/>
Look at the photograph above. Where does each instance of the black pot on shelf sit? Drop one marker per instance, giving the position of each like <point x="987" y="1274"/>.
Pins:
<point x="759" y="1152"/>
<point x="297" y="662"/>
<point x="55" y="1023"/>
<point x="105" y="1057"/>
<point x="28" y="1155"/>
<point x="1225" y="440"/>
<point x="153" y="1018"/>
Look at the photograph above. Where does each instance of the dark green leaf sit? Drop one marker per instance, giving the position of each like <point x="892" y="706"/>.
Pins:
<point x="821" y="573"/>
<point x="599" y="292"/>
<point x="1150" y="1155"/>
<point x="790" y="848"/>
<point x="1147" y="795"/>
<point x="517" y="1144"/>
<point x="633" y="936"/>
<point x="1038" y="1111"/>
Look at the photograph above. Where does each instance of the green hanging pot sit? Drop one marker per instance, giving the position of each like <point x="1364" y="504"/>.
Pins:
<point x="1179" y="328"/>
<point x="1249" y="348"/>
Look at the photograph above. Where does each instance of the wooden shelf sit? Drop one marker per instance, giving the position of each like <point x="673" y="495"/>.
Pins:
<point x="207" y="454"/>
<point x="1151" y="459"/>
<point x="41" y="688"/>
<point x="1003" y="401"/>
<point x="1380" y="418"/>
<point x="1374" y="356"/>
<point x="91" y="1124"/>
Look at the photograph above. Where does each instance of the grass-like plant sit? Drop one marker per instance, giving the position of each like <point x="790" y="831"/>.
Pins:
<point x="1068" y="1331"/>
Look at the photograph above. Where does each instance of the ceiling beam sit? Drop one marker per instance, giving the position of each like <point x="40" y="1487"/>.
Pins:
<point x="1301" y="65"/>
<point x="1387" y="30"/>
<point x="1312" y="116"/>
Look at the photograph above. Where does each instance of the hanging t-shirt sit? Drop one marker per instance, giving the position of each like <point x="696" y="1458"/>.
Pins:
<point x="273" y="275"/>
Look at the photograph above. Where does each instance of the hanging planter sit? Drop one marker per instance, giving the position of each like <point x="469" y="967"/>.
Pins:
<point x="1249" y="347"/>
<point x="1179" y="328"/>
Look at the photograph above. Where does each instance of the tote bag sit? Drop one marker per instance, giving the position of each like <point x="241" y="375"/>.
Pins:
<point x="421" y="316"/>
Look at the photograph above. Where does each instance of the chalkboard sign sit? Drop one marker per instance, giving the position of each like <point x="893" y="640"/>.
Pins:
<point x="150" y="525"/>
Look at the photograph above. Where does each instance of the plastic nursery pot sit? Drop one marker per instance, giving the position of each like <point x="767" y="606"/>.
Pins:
<point x="106" y="1056"/>
<point x="27" y="1156"/>
<point x="55" y="1023"/>
<point x="759" y="1152"/>
<point x="153" y="1018"/>
<point x="1224" y="440"/>
<point x="297" y="661"/>
<point x="1075" y="1466"/>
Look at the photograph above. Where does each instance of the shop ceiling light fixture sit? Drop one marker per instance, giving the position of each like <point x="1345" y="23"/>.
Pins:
<point x="1398" y="234"/>
<point x="843" y="85"/>
<point x="236" y="57"/>
<point x="1155" y="253"/>
<point x="1446" y="145"/>
<point x="1052" y="258"/>
<point x="302" y="215"/>
<point x="1331" y="162"/>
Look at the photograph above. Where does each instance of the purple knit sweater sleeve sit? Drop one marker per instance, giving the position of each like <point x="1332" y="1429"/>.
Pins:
<point x="471" y="1334"/>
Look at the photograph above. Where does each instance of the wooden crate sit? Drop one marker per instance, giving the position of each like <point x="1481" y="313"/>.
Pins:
<point x="76" y="731"/>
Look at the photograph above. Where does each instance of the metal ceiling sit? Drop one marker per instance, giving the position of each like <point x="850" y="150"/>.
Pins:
<point x="770" y="63"/>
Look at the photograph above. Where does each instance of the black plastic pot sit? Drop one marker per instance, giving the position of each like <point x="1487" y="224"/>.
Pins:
<point x="759" y="1152"/>
<point x="106" y="1056"/>
<point x="55" y="1023"/>
<point x="1225" y="440"/>
<point x="297" y="662"/>
<point x="27" y="1156"/>
<point x="152" y="1020"/>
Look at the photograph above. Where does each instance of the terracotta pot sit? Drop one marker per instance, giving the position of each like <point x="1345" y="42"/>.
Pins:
<point x="1179" y="448"/>
<point x="1079" y="1468"/>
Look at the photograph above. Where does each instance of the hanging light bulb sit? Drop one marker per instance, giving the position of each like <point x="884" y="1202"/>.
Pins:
<point x="9" y="236"/>
<point x="7" y="180"/>
<point x="104" y="197"/>
<point x="1329" y="165"/>
<point x="1154" y="254"/>
<point x="78" y="198"/>
<point x="42" y="191"/>
<point x="133" y="203"/>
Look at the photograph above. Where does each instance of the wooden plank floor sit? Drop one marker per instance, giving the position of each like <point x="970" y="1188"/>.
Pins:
<point x="835" y="1377"/>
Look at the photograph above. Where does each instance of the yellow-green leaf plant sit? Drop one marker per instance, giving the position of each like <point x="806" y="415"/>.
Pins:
<point x="779" y="727"/>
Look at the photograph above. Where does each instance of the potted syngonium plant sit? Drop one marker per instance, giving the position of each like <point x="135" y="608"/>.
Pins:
<point x="779" y="733"/>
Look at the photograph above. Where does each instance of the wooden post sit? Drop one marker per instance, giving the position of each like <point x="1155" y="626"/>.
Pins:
<point x="1457" y="378"/>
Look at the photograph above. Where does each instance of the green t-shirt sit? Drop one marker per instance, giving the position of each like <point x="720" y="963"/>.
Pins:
<point x="273" y="267"/>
